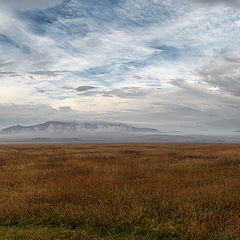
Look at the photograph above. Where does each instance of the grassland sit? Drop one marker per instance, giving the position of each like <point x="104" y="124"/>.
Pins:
<point x="120" y="192"/>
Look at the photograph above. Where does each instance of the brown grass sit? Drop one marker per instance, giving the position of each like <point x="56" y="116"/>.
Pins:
<point x="120" y="192"/>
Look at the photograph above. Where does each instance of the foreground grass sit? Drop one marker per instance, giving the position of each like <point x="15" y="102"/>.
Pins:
<point x="120" y="192"/>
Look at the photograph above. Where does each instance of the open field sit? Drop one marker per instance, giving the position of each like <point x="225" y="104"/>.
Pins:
<point x="120" y="192"/>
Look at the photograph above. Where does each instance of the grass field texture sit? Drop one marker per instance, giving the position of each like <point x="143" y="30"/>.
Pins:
<point x="120" y="192"/>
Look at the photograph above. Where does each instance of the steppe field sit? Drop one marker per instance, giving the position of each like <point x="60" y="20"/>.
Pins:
<point x="124" y="191"/>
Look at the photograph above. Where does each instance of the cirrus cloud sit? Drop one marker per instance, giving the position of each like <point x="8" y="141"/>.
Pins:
<point x="126" y="60"/>
<point x="225" y="2"/>
<point x="29" y="4"/>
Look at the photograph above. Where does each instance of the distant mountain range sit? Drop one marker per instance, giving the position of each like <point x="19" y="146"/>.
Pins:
<point x="74" y="127"/>
<point x="100" y="132"/>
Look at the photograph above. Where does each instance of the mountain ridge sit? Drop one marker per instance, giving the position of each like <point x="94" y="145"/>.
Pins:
<point x="62" y="126"/>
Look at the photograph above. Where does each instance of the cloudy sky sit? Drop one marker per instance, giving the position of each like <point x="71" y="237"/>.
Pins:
<point x="173" y="65"/>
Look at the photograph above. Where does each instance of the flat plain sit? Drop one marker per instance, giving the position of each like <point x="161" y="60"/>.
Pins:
<point x="120" y="191"/>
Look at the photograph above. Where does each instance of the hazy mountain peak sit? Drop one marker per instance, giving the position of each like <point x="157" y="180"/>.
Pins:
<point x="70" y="127"/>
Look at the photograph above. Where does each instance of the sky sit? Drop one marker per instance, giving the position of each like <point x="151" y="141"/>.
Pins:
<point x="173" y="65"/>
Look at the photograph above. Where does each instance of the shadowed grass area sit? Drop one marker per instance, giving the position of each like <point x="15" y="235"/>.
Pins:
<point x="120" y="192"/>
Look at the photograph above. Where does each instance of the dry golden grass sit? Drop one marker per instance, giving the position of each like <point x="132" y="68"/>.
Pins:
<point x="120" y="192"/>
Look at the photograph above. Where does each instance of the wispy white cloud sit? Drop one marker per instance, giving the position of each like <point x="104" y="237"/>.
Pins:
<point x="29" y="4"/>
<point x="224" y="2"/>
<point x="170" y="60"/>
